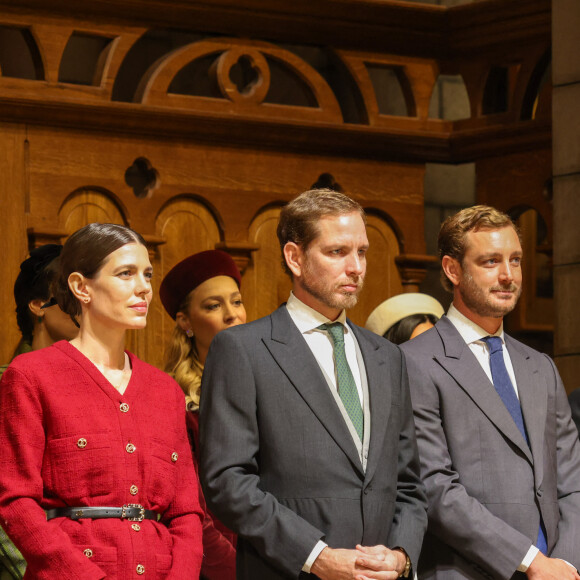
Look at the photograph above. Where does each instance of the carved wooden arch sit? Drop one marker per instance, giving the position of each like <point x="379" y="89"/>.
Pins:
<point x="154" y="87"/>
<point x="520" y="66"/>
<point x="186" y="226"/>
<point x="532" y="73"/>
<point x="382" y="278"/>
<point x="265" y="285"/>
<point x="35" y="50"/>
<point x="121" y="42"/>
<point x="419" y="77"/>
<point x="90" y="204"/>
<point x="534" y="311"/>
<point x="51" y="37"/>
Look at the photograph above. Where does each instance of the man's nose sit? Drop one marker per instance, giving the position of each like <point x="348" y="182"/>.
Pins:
<point x="355" y="265"/>
<point x="505" y="273"/>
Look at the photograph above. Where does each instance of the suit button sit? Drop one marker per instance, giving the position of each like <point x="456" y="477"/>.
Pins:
<point x="367" y="489"/>
<point x="133" y="490"/>
<point x="140" y="569"/>
<point x="136" y="527"/>
<point x="130" y="448"/>
<point x="540" y="492"/>
<point x="124" y="407"/>
<point x="174" y="456"/>
<point x="82" y="443"/>
<point x="88" y="553"/>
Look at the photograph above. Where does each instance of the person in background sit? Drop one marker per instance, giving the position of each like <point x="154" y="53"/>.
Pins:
<point x="404" y="316"/>
<point x="96" y="477"/>
<point x="41" y="323"/>
<point x="40" y="320"/>
<point x="499" y="452"/>
<point x="202" y="294"/>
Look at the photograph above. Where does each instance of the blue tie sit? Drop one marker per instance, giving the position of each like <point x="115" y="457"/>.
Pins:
<point x="505" y="389"/>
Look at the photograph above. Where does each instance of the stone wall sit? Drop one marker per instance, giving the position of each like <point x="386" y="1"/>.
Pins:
<point x="566" y="149"/>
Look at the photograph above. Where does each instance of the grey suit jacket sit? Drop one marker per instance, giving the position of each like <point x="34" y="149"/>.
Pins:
<point x="278" y="464"/>
<point x="486" y="488"/>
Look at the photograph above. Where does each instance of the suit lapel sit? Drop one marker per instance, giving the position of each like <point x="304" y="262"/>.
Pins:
<point x="380" y="384"/>
<point x="462" y="365"/>
<point x="290" y="351"/>
<point x="533" y="399"/>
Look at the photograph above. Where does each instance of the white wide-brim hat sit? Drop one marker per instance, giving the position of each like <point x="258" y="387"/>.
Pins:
<point x="398" y="307"/>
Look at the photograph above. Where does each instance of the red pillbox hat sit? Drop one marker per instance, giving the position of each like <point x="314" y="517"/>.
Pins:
<point x="193" y="271"/>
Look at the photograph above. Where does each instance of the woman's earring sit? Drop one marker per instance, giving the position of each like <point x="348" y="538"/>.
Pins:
<point x="86" y="300"/>
<point x="189" y="333"/>
<point x="40" y="319"/>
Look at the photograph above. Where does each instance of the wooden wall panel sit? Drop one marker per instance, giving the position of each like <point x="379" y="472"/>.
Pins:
<point x="265" y="284"/>
<point x="86" y="206"/>
<point x="382" y="279"/>
<point x="13" y="200"/>
<point x="516" y="184"/>
<point x="226" y="160"/>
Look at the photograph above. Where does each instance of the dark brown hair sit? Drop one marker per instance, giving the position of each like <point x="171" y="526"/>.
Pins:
<point x="33" y="282"/>
<point x="452" y="235"/>
<point x="85" y="252"/>
<point x="401" y="331"/>
<point x="299" y="219"/>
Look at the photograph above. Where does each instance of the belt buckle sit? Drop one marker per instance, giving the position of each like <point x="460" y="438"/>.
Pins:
<point x="139" y="518"/>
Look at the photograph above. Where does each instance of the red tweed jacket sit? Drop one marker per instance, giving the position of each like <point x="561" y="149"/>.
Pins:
<point x="68" y="438"/>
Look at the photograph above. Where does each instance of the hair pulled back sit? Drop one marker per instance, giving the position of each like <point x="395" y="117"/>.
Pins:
<point x="85" y="252"/>
<point x="401" y="331"/>
<point x="33" y="283"/>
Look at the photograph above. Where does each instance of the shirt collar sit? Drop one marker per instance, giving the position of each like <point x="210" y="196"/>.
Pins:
<point x="469" y="331"/>
<point x="307" y="319"/>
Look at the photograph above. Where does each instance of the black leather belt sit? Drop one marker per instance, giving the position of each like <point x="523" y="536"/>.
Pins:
<point x="132" y="512"/>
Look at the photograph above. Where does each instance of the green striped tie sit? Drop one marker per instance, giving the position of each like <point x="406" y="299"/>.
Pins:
<point x="347" y="390"/>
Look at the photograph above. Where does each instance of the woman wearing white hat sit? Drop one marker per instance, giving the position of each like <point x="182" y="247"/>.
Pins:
<point x="404" y="316"/>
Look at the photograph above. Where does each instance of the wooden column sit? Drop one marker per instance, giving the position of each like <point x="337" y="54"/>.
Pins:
<point x="566" y="130"/>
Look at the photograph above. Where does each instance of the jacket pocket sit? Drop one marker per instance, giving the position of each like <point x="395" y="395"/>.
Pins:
<point x="105" y="557"/>
<point x="79" y="466"/>
<point x="163" y="476"/>
<point x="163" y="565"/>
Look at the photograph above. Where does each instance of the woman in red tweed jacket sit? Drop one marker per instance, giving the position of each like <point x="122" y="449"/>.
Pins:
<point x="96" y="477"/>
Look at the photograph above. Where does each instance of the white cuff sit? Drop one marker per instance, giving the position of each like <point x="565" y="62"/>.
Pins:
<point x="532" y="553"/>
<point x="320" y="545"/>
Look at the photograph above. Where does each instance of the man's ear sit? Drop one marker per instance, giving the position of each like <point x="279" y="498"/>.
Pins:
<point x="293" y="256"/>
<point x="78" y="286"/>
<point x="452" y="269"/>
<point x="35" y="307"/>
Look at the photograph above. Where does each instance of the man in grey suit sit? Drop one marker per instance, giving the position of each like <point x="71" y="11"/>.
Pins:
<point x="308" y="445"/>
<point x="499" y="452"/>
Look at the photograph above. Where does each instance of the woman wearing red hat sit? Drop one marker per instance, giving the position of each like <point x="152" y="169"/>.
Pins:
<point x="96" y="477"/>
<point x="202" y="295"/>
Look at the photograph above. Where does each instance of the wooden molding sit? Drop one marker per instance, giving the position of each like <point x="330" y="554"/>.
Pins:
<point x="241" y="252"/>
<point x="413" y="269"/>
